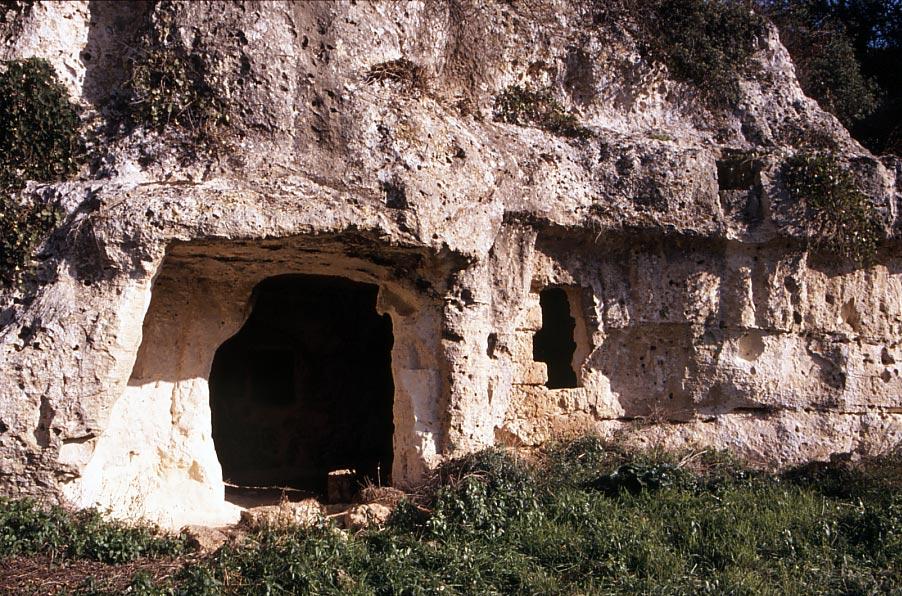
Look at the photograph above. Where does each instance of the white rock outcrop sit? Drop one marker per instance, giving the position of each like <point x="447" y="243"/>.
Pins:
<point x="700" y="317"/>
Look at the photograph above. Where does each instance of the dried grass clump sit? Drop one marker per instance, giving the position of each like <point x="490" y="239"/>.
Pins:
<point x="411" y="77"/>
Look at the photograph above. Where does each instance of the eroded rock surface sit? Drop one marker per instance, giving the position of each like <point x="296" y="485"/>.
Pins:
<point x="700" y="316"/>
<point x="360" y="517"/>
<point x="303" y="513"/>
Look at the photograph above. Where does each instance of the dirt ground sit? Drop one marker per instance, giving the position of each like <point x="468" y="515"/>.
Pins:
<point x="43" y="575"/>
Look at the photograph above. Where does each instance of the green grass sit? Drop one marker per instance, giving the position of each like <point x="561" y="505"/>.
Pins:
<point x="588" y="518"/>
<point x="26" y="528"/>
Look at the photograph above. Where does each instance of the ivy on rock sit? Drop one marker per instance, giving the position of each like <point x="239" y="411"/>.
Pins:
<point x="39" y="141"/>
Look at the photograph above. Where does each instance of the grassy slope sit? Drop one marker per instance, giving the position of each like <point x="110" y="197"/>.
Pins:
<point x="582" y="518"/>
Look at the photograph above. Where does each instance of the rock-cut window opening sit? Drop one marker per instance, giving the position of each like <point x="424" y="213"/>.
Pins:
<point x="554" y="343"/>
<point x="305" y="387"/>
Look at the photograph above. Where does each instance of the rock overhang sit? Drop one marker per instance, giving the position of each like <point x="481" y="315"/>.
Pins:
<point x="708" y="321"/>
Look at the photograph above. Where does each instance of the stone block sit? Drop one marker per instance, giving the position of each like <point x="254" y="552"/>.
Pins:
<point x="530" y="373"/>
<point x="368" y="515"/>
<point x="341" y="486"/>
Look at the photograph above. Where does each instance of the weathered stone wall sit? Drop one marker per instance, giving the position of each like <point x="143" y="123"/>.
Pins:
<point x="701" y="315"/>
<point x="157" y="447"/>
<point x="747" y="348"/>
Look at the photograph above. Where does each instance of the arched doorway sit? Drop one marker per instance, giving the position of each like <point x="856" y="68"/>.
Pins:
<point x="305" y="387"/>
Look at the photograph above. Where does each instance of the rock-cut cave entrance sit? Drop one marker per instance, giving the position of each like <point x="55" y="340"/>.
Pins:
<point x="305" y="387"/>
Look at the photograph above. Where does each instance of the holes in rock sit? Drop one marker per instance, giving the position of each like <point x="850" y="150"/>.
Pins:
<point x="554" y="344"/>
<point x="305" y="387"/>
<point x="737" y="172"/>
<point x="751" y="346"/>
<point x="395" y="194"/>
<point x="851" y="316"/>
<point x="739" y="185"/>
<point x="491" y="344"/>
<point x="45" y="418"/>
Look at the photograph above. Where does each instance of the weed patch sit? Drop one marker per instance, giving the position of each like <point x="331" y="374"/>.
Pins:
<point x="170" y="89"/>
<point x="39" y="141"/>
<point x="526" y="107"/>
<point x="479" y="493"/>
<point x="411" y="77"/>
<point x="24" y="226"/>
<point x="841" y="219"/>
<point x="27" y="528"/>
<point x="491" y="523"/>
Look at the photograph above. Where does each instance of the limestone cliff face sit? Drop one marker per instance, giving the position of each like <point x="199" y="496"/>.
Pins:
<point x="362" y="141"/>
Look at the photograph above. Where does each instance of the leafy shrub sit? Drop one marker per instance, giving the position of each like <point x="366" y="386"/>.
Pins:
<point x="170" y="89"/>
<point x="27" y="528"/>
<point x="525" y="107"/>
<point x="39" y="141"/>
<point x="196" y="580"/>
<point x="480" y="492"/>
<point x="578" y="461"/>
<point x="841" y="218"/>
<point x="24" y="226"/>
<point x="846" y="56"/>
<point x="707" y="43"/>
<point x="636" y="477"/>
<point x="303" y="560"/>
<point x="828" y="70"/>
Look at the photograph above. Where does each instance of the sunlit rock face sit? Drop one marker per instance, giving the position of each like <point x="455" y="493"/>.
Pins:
<point x="644" y="280"/>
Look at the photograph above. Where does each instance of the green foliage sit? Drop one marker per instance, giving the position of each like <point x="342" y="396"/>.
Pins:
<point x="526" y="107"/>
<point x="22" y="227"/>
<point x="480" y="492"/>
<point x="198" y="581"/>
<point x="841" y="218"/>
<point x="833" y="77"/>
<point x="636" y="477"/>
<point x="170" y="89"/>
<point x="39" y="141"/>
<point x="847" y="57"/>
<point x="493" y="524"/>
<point x="27" y="528"/>
<point x="707" y="43"/>
<point x="825" y="60"/>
